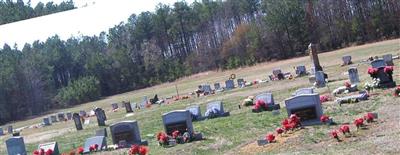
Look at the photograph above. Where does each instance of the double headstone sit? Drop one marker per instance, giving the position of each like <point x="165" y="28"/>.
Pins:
<point x="16" y="146"/>
<point x="128" y="107"/>
<point x="195" y="111"/>
<point x="229" y="84"/>
<point x="353" y="75"/>
<point x="126" y="133"/>
<point x="320" y="79"/>
<point x="46" y="121"/>
<point x="100" y="141"/>
<point x="101" y="116"/>
<point x="50" y="146"/>
<point x="307" y="107"/>
<point x="77" y="120"/>
<point x="346" y="60"/>
<point x="388" y="58"/>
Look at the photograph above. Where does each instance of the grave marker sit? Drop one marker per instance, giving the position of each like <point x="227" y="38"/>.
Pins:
<point x="61" y="116"/>
<point x="385" y="79"/>
<point x="195" y="112"/>
<point x="77" y="121"/>
<point x="128" y="107"/>
<point x="301" y="70"/>
<point x="82" y="113"/>
<point x="126" y="132"/>
<point x="16" y="146"/>
<point x="346" y="60"/>
<point x="10" y="129"/>
<point x="1" y="131"/>
<point x="353" y="75"/>
<point x="69" y="115"/>
<point x="307" y="107"/>
<point x="99" y="140"/>
<point x="388" y="58"/>
<point x="320" y="79"/>
<point x="114" y="106"/>
<point x="229" y="84"/>
<point x="217" y="86"/>
<point x="215" y="109"/>
<point x="53" y="118"/>
<point x="46" y="121"/>
<point x="52" y="145"/>
<point x="241" y="83"/>
<point x="179" y="120"/>
<point x="206" y="89"/>
<point x="101" y="117"/>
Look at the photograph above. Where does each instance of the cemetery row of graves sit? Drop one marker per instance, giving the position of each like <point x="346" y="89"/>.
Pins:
<point x="303" y="107"/>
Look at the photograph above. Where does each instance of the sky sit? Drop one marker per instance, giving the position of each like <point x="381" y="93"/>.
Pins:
<point x="97" y="16"/>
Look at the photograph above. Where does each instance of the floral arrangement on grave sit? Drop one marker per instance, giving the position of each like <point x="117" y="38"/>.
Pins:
<point x="164" y="139"/>
<point x="138" y="150"/>
<point x="292" y="123"/>
<point x="93" y="148"/>
<point x="397" y="91"/>
<point x="248" y="101"/>
<point x="388" y="70"/>
<point x="43" y="152"/>
<point x="347" y="84"/>
<point x="373" y="72"/>
<point x="324" y="119"/>
<point x="335" y="135"/>
<point x="270" y="138"/>
<point x="324" y="98"/>
<point x="260" y="106"/>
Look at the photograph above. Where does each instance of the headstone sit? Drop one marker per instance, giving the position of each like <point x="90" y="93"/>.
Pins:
<point x="77" y="121"/>
<point x="82" y="113"/>
<point x="229" y="84"/>
<point x="320" y="79"/>
<point x="301" y="70"/>
<point x="128" y="107"/>
<point x="127" y="132"/>
<point x="215" y="109"/>
<point x="1" y="131"/>
<point x="206" y="89"/>
<point x="16" y="146"/>
<point x="10" y="129"/>
<point x="142" y="105"/>
<point x="353" y="75"/>
<point x="378" y="63"/>
<point x="61" y="116"/>
<point x="307" y="107"/>
<point x="99" y="140"/>
<point x="101" y="116"/>
<point x="303" y="91"/>
<point x="46" y="121"/>
<point x="102" y="132"/>
<point x="69" y="115"/>
<point x="52" y="145"/>
<point x="114" y="106"/>
<point x="276" y="71"/>
<point x="388" y="58"/>
<point x="312" y="71"/>
<point x="53" y="118"/>
<point x="180" y="120"/>
<point x="312" y="48"/>
<point x="195" y="111"/>
<point x="241" y="83"/>
<point x="346" y="60"/>
<point x="217" y="86"/>
<point x="268" y="98"/>
<point x="385" y="79"/>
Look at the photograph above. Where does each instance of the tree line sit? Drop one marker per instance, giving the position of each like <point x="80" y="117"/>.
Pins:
<point x="180" y="40"/>
<point x="11" y="11"/>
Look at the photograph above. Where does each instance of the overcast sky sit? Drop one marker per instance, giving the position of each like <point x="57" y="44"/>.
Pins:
<point x="97" y="16"/>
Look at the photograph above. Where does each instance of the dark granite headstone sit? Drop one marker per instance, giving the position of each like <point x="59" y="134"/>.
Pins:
<point x="241" y="83"/>
<point x="353" y="75"/>
<point x="16" y="146"/>
<point x="178" y="120"/>
<point x="77" y="121"/>
<point x="61" y="116"/>
<point x="229" y="84"/>
<point x="346" y="60"/>
<point x="52" y="145"/>
<point x="82" y="113"/>
<point x="320" y="79"/>
<point x="99" y="140"/>
<point x="46" y="121"/>
<point x="127" y="131"/>
<point x="101" y="116"/>
<point x="128" y="107"/>
<point x="69" y="115"/>
<point x="217" y="86"/>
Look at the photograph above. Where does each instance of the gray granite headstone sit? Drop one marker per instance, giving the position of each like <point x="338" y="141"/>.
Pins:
<point x="307" y="107"/>
<point x="101" y="116"/>
<point x="10" y="129"/>
<point x="69" y="115"/>
<point x="46" y="121"/>
<point x="217" y="86"/>
<point x="102" y="132"/>
<point x="16" y="146"/>
<point x="303" y="91"/>
<point x="276" y="71"/>
<point x="114" y="106"/>
<point x="127" y="132"/>
<point x="301" y="70"/>
<point x="268" y="98"/>
<point x="77" y="121"/>
<point x="320" y="79"/>
<point x="388" y="58"/>
<point x="353" y="75"/>
<point x="52" y="145"/>
<point x="99" y="140"/>
<point x="241" y="83"/>
<point x="82" y="113"/>
<point x="195" y="111"/>
<point x="61" y="116"/>
<point x="180" y="120"/>
<point x="218" y="105"/>
<point x="206" y="88"/>
<point x="53" y="118"/>
<point x="346" y="60"/>
<point x="229" y="84"/>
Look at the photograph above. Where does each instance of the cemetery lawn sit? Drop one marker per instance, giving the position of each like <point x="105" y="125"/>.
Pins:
<point x="238" y="133"/>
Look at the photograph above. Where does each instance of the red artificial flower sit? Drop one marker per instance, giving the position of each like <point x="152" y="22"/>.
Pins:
<point x="279" y="131"/>
<point x="259" y="104"/>
<point x="143" y="150"/>
<point x="359" y="122"/>
<point x="345" y="129"/>
<point x="347" y="84"/>
<point x="294" y="120"/>
<point x="80" y="150"/>
<point x="324" y="118"/>
<point x="270" y="138"/>
<point x="335" y="134"/>
<point x="388" y="69"/>
<point x="372" y="70"/>
<point x="397" y="91"/>
<point x="369" y="117"/>
<point x="36" y="152"/>
<point x="134" y="150"/>
<point x="49" y="152"/>
<point x="91" y="148"/>
<point x="175" y="134"/>
<point x="324" y="98"/>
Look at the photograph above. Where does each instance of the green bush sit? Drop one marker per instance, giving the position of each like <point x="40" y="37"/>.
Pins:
<point x="79" y="91"/>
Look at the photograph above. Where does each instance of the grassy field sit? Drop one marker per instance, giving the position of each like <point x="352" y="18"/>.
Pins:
<point x="237" y="133"/>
